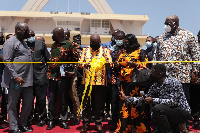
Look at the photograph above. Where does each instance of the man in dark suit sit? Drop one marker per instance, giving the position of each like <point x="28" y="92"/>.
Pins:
<point x="18" y="77"/>
<point x="3" y="101"/>
<point x="40" y="54"/>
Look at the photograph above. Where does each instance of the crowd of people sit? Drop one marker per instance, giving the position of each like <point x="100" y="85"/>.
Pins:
<point x="116" y="79"/>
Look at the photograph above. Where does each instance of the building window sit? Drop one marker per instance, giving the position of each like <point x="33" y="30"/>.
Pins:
<point x="77" y="23"/>
<point x="105" y="24"/>
<point x="96" y="23"/>
<point x="77" y="29"/>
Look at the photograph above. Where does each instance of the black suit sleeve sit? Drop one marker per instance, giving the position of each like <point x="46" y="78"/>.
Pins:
<point x="46" y="52"/>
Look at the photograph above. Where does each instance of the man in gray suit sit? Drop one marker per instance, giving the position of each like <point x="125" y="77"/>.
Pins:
<point x="18" y="77"/>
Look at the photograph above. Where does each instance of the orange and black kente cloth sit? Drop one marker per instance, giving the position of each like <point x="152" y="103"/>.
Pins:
<point x="131" y="117"/>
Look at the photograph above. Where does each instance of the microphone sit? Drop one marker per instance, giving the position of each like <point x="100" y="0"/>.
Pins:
<point x="142" y="94"/>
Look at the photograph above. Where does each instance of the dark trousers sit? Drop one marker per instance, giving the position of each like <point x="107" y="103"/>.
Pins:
<point x="195" y="101"/>
<point x="186" y="89"/>
<point x="169" y="118"/>
<point x="70" y="104"/>
<point x="108" y="97"/>
<point x="97" y="101"/>
<point x="40" y="92"/>
<point x="4" y="102"/>
<point x="114" y="103"/>
<point x="61" y="87"/>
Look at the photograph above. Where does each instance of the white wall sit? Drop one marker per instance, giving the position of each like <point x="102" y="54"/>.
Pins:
<point x="85" y="26"/>
<point x="134" y="27"/>
<point x="42" y="25"/>
<point x="5" y="24"/>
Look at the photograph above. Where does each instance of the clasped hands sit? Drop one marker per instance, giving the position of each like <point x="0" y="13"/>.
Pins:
<point x="19" y="81"/>
<point x="148" y="100"/>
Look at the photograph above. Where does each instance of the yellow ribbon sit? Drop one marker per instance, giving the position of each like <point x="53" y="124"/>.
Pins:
<point x="96" y="65"/>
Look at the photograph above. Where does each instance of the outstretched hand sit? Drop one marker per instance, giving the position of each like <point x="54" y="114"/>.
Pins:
<point x="148" y="100"/>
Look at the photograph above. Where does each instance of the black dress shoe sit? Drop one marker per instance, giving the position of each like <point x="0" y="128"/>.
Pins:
<point x="4" y="122"/>
<point x="41" y="123"/>
<point x="196" y="125"/>
<point x="64" y="125"/>
<point x="30" y="122"/>
<point x="14" y="131"/>
<point x="3" y="126"/>
<point x="50" y="125"/>
<point x="25" y="129"/>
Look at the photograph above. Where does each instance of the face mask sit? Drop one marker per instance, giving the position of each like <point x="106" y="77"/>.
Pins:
<point x="119" y="42"/>
<point x="154" y="44"/>
<point x="148" y="44"/>
<point x="31" y="39"/>
<point x="94" y="46"/>
<point x="167" y="28"/>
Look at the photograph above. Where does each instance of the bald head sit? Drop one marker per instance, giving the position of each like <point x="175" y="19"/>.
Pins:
<point x="173" y="22"/>
<point x="95" y="41"/>
<point x="40" y="38"/>
<point x="67" y="34"/>
<point x="173" y="18"/>
<point x="95" y="38"/>
<point x="31" y="33"/>
<point x="21" y="31"/>
<point x="58" y="34"/>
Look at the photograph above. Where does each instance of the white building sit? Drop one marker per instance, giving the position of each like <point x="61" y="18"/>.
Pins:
<point x="85" y="24"/>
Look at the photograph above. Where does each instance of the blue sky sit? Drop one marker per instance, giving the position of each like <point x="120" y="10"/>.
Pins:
<point x="157" y="10"/>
